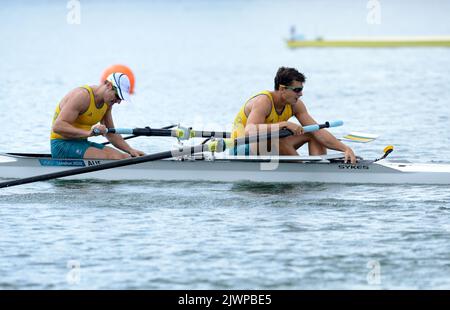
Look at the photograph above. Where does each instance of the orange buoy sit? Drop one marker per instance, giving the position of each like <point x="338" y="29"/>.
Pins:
<point x="119" y="68"/>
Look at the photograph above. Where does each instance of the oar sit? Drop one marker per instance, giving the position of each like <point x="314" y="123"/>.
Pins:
<point x="180" y="133"/>
<point x="134" y="136"/>
<point x="214" y="146"/>
<point x="183" y="133"/>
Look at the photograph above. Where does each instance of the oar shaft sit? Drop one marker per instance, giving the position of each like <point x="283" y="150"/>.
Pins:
<point x="134" y="136"/>
<point x="178" y="133"/>
<point x="209" y="134"/>
<point x="186" y="133"/>
<point x="140" y="131"/>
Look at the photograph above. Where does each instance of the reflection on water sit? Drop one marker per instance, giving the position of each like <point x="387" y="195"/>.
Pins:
<point x="277" y="188"/>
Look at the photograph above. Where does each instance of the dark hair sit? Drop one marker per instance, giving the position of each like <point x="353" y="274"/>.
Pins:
<point x="285" y="76"/>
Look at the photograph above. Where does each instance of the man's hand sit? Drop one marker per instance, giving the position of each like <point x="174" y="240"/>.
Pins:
<point x="135" y="153"/>
<point x="98" y="130"/>
<point x="297" y="130"/>
<point x="349" y="155"/>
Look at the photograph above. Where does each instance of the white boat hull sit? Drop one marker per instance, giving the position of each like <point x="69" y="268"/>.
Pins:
<point x="236" y="169"/>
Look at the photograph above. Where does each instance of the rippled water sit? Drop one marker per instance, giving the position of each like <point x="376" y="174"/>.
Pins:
<point x="196" y="62"/>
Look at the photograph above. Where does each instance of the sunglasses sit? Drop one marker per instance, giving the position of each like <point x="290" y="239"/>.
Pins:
<point x="294" y="89"/>
<point x="116" y="92"/>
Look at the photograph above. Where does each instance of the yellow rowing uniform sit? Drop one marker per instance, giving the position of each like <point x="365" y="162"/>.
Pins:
<point x="84" y="121"/>
<point x="240" y="120"/>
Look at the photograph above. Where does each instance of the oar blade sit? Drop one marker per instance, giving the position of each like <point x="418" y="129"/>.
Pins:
<point x="360" y="137"/>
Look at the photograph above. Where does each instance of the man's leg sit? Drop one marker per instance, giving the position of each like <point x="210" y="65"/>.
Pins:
<point x="315" y="148"/>
<point x="105" y="153"/>
<point x="289" y="145"/>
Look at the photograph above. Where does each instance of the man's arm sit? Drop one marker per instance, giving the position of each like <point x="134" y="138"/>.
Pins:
<point x="76" y="103"/>
<point x="323" y="136"/>
<point x="117" y="139"/>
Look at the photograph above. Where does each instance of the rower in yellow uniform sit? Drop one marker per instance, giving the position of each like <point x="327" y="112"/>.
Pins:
<point x="270" y="110"/>
<point x="85" y="112"/>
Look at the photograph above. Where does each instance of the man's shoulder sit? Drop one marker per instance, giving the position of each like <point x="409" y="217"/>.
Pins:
<point x="78" y="99"/>
<point x="79" y="95"/>
<point x="261" y="100"/>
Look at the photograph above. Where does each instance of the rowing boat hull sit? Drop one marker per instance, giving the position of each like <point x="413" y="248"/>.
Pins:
<point x="237" y="170"/>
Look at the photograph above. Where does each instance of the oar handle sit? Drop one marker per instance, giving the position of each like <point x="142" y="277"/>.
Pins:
<point x="311" y="128"/>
